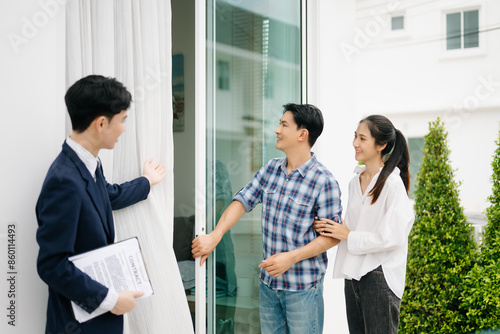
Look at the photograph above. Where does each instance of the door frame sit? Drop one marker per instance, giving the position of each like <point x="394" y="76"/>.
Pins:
<point x="200" y="159"/>
<point x="309" y="8"/>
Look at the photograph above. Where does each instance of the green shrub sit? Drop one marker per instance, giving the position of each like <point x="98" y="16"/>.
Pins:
<point x="441" y="247"/>
<point x="481" y="295"/>
<point x="491" y="239"/>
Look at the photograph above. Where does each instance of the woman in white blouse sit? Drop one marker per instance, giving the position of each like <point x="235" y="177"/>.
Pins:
<point x="371" y="256"/>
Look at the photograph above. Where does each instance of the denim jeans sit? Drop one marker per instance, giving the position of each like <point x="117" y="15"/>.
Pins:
<point x="291" y="312"/>
<point x="371" y="305"/>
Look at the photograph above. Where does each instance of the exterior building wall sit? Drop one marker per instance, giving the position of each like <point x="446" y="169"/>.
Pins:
<point x="365" y="68"/>
<point x="413" y="79"/>
<point x="410" y="77"/>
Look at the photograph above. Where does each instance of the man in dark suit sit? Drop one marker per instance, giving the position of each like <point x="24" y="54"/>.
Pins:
<point x="74" y="210"/>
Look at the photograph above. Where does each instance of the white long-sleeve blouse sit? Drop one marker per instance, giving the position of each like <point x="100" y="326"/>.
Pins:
<point x="379" y="232"/>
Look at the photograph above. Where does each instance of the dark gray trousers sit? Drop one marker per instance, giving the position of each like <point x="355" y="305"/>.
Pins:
<point x="372" y="307"/>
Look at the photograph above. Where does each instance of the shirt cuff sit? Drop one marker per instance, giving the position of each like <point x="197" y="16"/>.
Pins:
<point x="240" y="199"/>
<point x="351" y="242"/>
<point x="109" y="302"/>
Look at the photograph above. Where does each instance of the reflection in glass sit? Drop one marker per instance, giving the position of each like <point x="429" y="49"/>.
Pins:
<point x="453" y="31"/>
<point x="471" y="29"/>
<point x="416" y="146"/>
<point x="254" y="57"/>
<point x="398" y="23"/>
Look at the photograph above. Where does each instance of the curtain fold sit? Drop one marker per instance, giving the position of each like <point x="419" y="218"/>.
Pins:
<point x="131" y="40"/>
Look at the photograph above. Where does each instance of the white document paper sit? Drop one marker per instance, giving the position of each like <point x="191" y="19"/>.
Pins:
<point x="118" y="266"/>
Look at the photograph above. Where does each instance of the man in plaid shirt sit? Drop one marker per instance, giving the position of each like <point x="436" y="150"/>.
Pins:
<point x="293" y="191"/>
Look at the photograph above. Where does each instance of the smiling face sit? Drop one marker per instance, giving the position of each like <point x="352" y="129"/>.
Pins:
<point x="112" y="129"/>
<point x="364" y="145"/>
<point x="287" y="134"/>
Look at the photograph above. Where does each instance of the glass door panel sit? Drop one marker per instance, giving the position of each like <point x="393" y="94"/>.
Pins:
<point x="253" y="69"/>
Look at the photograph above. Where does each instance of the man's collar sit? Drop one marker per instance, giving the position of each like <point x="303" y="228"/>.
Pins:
<point x="88" y="159"/>
<point x="304" y="168"/>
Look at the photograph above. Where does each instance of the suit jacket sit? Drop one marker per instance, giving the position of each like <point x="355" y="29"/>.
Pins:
<point x="73" y="218"/>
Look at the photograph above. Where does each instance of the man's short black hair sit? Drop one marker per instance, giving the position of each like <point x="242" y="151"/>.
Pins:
<point x="94" y="96"/>
<point x="307" y="117"/>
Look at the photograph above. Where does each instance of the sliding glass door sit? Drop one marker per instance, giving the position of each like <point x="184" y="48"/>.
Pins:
<point x="254" y="67"/>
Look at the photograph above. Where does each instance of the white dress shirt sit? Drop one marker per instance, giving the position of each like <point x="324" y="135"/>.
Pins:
<point x="91" y="162"/>
<point x="379" y="232"/>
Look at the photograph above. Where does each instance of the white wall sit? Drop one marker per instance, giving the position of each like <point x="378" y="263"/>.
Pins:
<point x="335" y="96"/>
<point x="472" y="145"/>
<point x="413" y="79"/>
<point x="414" y="72"/>
<point x="32" y="131"/>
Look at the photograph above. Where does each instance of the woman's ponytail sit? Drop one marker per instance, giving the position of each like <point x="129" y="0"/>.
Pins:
<point x="404" y="159"/>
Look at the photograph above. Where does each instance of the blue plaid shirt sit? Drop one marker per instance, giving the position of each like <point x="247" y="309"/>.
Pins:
<point x="289" y="204"/>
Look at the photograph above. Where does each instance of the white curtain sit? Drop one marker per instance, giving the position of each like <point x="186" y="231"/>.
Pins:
<point x="131" y="40"/>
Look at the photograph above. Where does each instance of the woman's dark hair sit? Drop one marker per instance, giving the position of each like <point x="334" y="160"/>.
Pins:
<point x="307" y="117"/>
<point x="94" y="96"/>
<point x="395" y="153"/>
